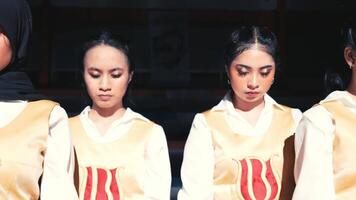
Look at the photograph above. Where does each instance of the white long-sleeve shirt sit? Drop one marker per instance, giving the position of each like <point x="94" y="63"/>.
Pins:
<point x="198" y="163"/>
<point x="58" y="166"/>
<point x="314" y="148"/>
<point x="157" y="179"/>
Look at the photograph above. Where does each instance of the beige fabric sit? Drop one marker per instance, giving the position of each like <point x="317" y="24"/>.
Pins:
<point x="121" y="160"/>
<point x="23" y="145"/>
<point x="344" y="162"/>
<point x="236" y="156"/>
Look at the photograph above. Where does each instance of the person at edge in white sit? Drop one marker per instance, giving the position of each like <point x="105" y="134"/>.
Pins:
<point x="314" y="169"/>
<point x="16" y="91"/>
<point x="59" y="153"/>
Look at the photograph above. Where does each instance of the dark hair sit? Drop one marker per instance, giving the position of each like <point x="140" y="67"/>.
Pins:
<point x="339" y="78"/>
<point x="246" y="38"/>
<point x="349" y="34"/>
<point x="115" y="41"/>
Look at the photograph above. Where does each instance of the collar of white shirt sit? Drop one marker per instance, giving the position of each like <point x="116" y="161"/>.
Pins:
<point x="242" y="126"/>
<point x="10" y="110"/>
<point x="343" y="96"/>
<point x="116" y="130"/>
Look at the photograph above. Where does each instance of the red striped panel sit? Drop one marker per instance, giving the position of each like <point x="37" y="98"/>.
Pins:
<point x="259" y="188"/>
<point x="271" y="178"/>
<point x="102" y="178"/>
<point x="244" y="180"/>
<point x="113" y="186"/>
<point x="89" y="185"/>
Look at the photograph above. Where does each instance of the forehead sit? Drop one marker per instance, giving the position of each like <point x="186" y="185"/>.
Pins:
<point x="254" y="58"/>
<point x="104" y="55"/>
<point x="102" y="50"/>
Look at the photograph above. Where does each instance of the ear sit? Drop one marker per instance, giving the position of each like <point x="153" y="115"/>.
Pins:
<point x="349" y="56"/>
<point x="130" y="76"/>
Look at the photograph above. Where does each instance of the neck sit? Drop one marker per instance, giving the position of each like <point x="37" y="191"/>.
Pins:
<point x="103" y="118"/>
<point x="249" y="110"/>
<point x="247" y="106"/>
<point x="352" y="86"/>
<point x="115" y="112"/>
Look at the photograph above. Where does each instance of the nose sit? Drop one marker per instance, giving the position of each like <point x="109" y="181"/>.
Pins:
<point x="252" y="82"/>
<point x="104" y="84"/>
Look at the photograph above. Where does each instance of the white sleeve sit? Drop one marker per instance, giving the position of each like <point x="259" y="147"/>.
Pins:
<point x="198" y="163"/>
<point x="297" y="116"/>
<point x="157" y="181"/>
<point x="313" y="168"/>
<point x="57" y="179"/>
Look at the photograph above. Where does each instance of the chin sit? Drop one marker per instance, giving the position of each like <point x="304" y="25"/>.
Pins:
<point x="253" y="100"/>
<point x="105" y="105"/>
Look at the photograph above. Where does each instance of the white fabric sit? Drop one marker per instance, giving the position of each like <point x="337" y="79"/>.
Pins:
<point x="57" y="179"/>
<point x="314" y="147"/>
<point x="157" y="180"/>
<point x="198" y="163"/>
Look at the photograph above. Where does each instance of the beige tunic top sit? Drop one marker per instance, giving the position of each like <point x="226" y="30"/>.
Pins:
<point x="23" y="144"/>
<point x="319" y="145"/>
<point x="199" y="161"/>
<point x="344" y="162"/>
<point x="112" y="170"/>
<point x="252" y="167"/>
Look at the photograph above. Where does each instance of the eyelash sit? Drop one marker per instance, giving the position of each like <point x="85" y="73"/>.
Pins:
<point x="264" y="74"/>
<point x="115" y="75"/>
<point x="241" y="72"/>
<point x="95" y="76"/>
<point x="244" y="73"/>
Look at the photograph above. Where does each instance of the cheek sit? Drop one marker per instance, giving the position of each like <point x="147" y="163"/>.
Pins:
<point x="238" y="85"/>
<point x="236" y="81"/>
<point x="5" y="56"/>
<point x="89" y="84"/>
<point x="268" y="81"/>
<point x="122" y="84"/>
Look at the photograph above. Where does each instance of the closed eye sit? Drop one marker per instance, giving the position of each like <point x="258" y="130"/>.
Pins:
<point x="242" y="70"/>
<point x="265" y="71"/>
<point x="117" y="75"/>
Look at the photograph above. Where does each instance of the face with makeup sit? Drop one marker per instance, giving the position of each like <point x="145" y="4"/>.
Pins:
<point x="5" y="50"/>
<point x="251" y="75"/>
<point x="107" y="76"/>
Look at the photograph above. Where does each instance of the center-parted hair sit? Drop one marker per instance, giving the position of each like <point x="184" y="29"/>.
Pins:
<point x="115" y="41"/>
<point x="251" y="37"/>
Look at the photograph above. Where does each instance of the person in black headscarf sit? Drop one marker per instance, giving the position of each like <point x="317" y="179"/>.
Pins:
<point x="34" y="134"/>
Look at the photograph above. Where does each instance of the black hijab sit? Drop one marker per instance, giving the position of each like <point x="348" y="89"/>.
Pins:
<point x="16" y="21"/>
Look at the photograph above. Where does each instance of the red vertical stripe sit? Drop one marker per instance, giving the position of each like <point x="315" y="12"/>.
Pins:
<point x="113" y="186"/>
<point x="271" y="180"/>
<point x="89" y="185"/>
<point x="259" y="188"/>
<point x="244" y="180"/>
<point x="101" y="193"/>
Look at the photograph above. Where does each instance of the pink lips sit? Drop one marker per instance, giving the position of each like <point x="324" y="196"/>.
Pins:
<point x="104" y="97"/>
<point x="252" y="95"/>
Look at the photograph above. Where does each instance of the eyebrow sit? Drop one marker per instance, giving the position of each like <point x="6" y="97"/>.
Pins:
<point x="111" y="70"/>
<point x="249" y="67"/>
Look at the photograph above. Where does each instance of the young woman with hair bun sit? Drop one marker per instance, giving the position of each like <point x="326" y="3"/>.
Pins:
<point x="242" y="147"/>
